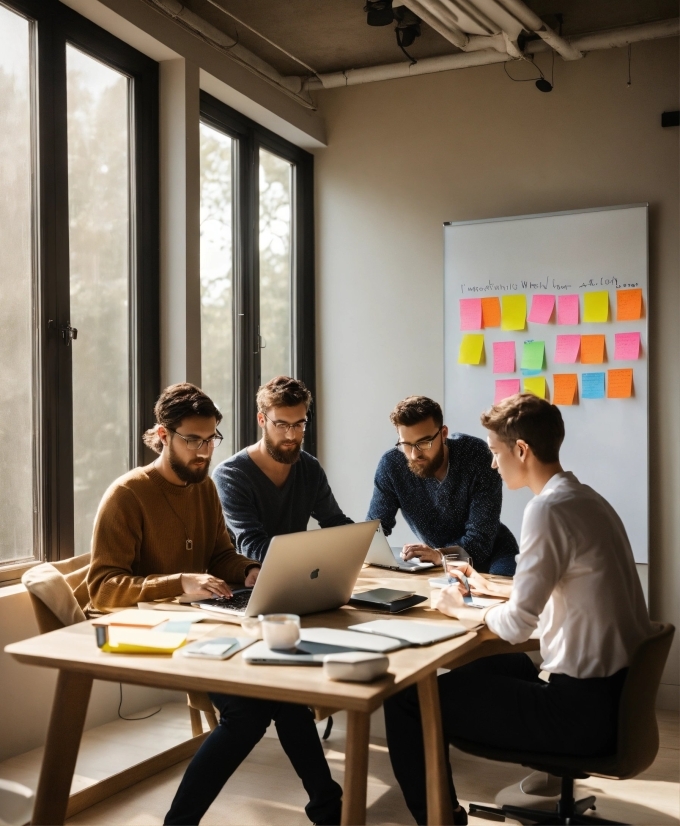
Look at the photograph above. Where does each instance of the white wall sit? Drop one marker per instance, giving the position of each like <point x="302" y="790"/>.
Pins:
<point x="404" y="156"/>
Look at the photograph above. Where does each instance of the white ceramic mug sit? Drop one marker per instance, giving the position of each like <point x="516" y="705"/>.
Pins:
<point x="281" y="632"/>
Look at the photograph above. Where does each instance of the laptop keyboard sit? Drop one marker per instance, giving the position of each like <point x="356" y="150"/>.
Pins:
<point x="236" y="603"/>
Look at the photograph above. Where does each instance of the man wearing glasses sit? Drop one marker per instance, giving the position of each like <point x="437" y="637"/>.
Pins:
<point x="446" y="489"/>
<point x="273" y="486"/>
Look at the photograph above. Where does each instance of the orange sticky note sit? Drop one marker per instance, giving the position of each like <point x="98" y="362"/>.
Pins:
<point x="565" y="385"/>
<point x="491" y="312"/>
<point x="592" y="349"/>
<point x="620" y="383"/>
<point x="628" y="305"/>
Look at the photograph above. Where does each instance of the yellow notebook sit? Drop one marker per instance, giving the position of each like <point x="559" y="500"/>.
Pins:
<point x="140" y="641"/>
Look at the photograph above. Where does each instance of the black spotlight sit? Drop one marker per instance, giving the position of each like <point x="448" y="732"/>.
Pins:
<point x="379" y="12"/>
<point x="408" y="27"/>
<point x="543" y="85"/>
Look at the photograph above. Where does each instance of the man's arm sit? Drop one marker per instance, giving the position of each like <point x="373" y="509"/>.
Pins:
<point x="225" y="562"/>
<point x="239" y="507"/>
<point x="116" y="542"/>
<point x="384" y="503"/>
<point x="326" y="510"/>
<point x="484" y="512"/>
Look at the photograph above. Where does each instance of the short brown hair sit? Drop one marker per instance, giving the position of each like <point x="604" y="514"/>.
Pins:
<point x="416" y="409"/>
<point x="282" y="391"/>
<point x="535" y="421"/>
<point x="175" y="403"/>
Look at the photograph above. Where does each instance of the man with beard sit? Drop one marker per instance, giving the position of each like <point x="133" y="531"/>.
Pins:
<point x="273" y="486"/>
<point x="446" y="489"/>
<point x="159" y="531"/>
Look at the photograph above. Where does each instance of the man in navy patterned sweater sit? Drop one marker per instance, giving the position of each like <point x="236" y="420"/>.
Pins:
<point x="446" y="489"/>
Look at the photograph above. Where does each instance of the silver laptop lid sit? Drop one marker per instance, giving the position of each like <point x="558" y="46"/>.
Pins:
<point x="312" y="570"/>
<point x="381" y="554"/>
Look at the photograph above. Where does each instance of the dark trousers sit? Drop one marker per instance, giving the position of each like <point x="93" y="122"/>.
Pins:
<point x="500" y="701"/>
<point x="243" y="722"/>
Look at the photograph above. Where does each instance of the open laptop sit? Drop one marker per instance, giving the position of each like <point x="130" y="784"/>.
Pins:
<point x="302" y="573"/>
<point x="382" y="555"/>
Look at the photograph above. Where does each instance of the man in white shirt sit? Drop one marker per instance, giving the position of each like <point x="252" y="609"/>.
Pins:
<point x="575" y="581"/>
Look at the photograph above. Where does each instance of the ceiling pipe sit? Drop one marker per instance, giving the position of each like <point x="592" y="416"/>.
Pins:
<point x="533" y="23"/>
<point x="435" y="15"/>
<point x="587" y="42"/>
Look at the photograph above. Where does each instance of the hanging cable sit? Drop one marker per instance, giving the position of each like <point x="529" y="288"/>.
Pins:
<point x="120" y="705"/>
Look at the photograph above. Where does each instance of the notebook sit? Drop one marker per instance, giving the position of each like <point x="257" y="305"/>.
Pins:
<point x="412" y="632"/>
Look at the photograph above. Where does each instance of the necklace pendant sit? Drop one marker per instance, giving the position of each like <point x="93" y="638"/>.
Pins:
<point x="189" y="545"/>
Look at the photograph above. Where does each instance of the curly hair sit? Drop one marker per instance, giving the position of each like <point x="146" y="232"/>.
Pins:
<point x="178" y="402"/>
<point x="416" y="409"/>
<point x="535" y="421"/>
<point x="282" y="391"/>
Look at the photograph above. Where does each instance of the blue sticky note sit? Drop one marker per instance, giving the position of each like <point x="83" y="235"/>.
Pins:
<point x="176" y="627"/>
<point x="592" y="386"/>
<point x="527" y="373"/>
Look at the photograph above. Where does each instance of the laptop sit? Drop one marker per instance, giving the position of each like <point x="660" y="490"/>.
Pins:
<point x="381" y="555"/>
<point x="302" y="573"/>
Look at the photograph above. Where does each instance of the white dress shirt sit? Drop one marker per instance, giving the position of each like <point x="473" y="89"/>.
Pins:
<point x="576" y="581"/>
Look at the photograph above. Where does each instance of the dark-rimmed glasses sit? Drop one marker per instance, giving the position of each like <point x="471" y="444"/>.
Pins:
<point x="197" y="444"/>
<point x="419" y="447"/>
<point x="284" y="427"/>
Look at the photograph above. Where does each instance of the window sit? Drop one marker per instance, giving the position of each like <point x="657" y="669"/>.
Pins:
<point x="257" y="270"/>
<point x="79" y="234"/>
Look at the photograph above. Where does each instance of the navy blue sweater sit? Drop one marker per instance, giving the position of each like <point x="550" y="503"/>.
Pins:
<point x="255" y="509"/>
<point x="463" y="509"/>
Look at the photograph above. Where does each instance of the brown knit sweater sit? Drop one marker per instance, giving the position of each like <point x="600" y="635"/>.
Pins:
<point x="139" y="543"/>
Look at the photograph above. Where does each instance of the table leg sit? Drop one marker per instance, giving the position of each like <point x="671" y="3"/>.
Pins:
<point x="61" y="749"/>
<point x="438" y="800"/>
<point x="356" y="768"/>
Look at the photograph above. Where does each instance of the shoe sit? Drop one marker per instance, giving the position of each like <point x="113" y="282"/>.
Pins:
<point x="460" y="817"/>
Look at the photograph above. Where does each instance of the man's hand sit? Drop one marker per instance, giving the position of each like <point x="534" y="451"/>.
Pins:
<point x="204" y="586"/>
<point x="448" y="600"/>
<point x="251" y="579"/>
<point x="422" y="552"/>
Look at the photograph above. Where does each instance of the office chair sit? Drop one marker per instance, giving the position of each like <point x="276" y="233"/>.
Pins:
<point x="637" y="743"/>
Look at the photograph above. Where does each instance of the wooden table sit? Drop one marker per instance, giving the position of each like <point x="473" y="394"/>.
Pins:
<point x="74" y="652"/>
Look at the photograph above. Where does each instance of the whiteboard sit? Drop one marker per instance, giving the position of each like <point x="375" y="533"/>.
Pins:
<point x="606" y="443"/>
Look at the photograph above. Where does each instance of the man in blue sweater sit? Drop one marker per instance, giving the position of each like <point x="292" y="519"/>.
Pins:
<point x="446" y="489"/>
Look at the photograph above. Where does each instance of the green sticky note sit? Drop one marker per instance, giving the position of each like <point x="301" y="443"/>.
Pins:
<point x="471" y="348"/>
<point x="596" y="306"/>
<point x="536" y="386"/>
<point x="513" y="312"/>
<point x="533" y="354"/>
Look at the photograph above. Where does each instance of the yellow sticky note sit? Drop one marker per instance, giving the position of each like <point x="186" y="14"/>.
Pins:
<point x="513" y="312"/>
<point x="471" y="348"/>
<point x="596" y="306"/>
<point x="535" y="385"/>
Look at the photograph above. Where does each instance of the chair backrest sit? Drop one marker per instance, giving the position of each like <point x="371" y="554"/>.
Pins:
<point x="74" y="571"/>
<point x="638" y="733"/>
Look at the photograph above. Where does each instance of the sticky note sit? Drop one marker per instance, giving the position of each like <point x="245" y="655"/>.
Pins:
<point x="514" y="312"/>
<point x="470" y="313"/>
<point x="592" y="349"/>
<point x="620" y="383"/>
<point x="533" y="354"/>
<point x="566" y="349"/>
<point x="626" y="346"/>
<point x="504" y="356"/>
<point x="567" y="309"/>
<point x="541" y="308"/>
<point x="505" y="388"/>
<point x="535" y="386"/>
<point x="564" y="388"/>
<point x="491" y="312"/>
<point x="596" y="306"/>
<point x="471" y="348"/>
<point x="592" y="385"/>
<point x="628" y="305"/>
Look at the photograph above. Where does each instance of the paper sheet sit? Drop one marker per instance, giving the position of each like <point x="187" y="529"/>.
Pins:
<point x="620" y="383"/>
<point x="592" y="385"/>
<point x="592" y="349"/>
<point x="505" y="388"/>
<point x="514" y="312"/>
<point x="471" y="348"/>
<point x="628" y="305"/>
<point x="596" y="306"/>
<point x="533" y="354"/>
<point x="536" y="386"/>
<point x="491" y="312"/>
<point x="564" y="388"/>
<point x="567" y="309"/>
<point x="470" y="313"/>
<point x="566" y="349"/>
<point x="504" y="356"/>
<point x="541" y="308"/>
<point x="626" y="346"/>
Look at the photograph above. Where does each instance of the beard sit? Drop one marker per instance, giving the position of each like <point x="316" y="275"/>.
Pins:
<point x="190" y="473"/>
<point x="428" y="469"/>
<point x="286" y="456"/>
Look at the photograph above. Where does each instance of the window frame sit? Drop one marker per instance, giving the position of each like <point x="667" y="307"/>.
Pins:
<point x="249" y="136"/>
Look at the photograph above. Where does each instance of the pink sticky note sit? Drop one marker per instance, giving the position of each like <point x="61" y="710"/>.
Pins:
<point x="504" y="356"/>
<point x="505" y="388"/>
<point x="567" y="309"/>
<point x="541" y="308"/>
<point x="566" y="349"/>
<point x="470" y="313"/>
<point x="626" y="346"/>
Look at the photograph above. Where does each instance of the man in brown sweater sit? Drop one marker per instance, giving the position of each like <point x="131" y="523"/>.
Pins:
<point x="159" y="530"/>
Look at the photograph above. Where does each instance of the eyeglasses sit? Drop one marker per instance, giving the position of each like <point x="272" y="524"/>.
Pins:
<point x="197" y="444"/>
<point x="419" y="447"/>
<point x="284" y="427"/>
